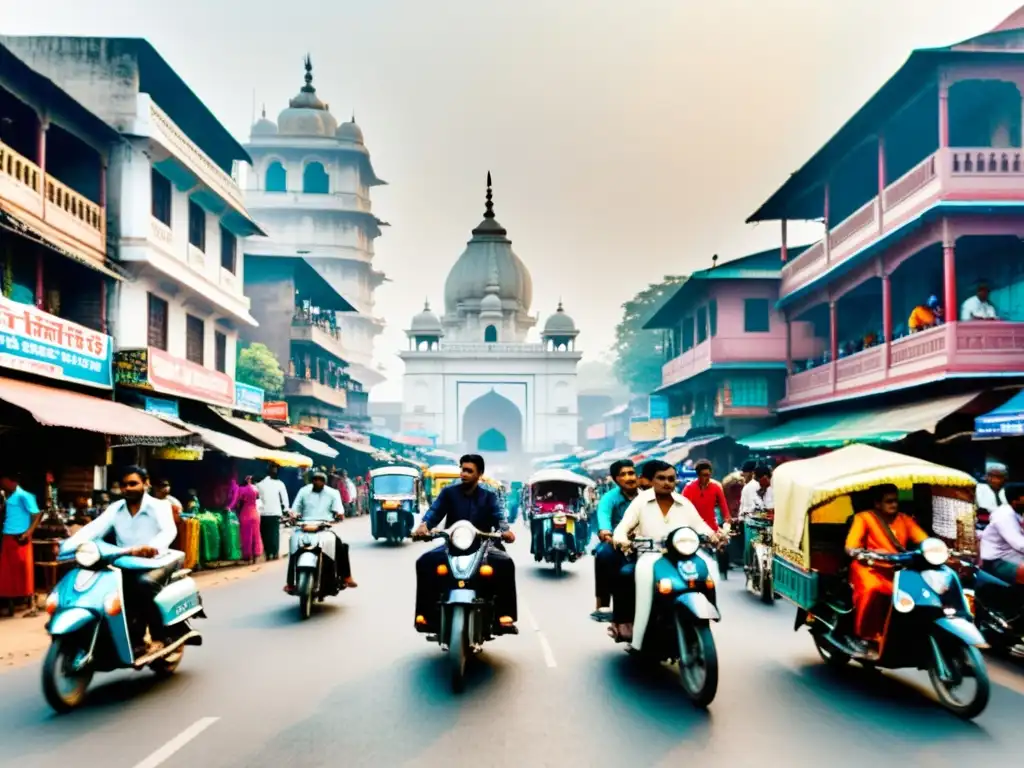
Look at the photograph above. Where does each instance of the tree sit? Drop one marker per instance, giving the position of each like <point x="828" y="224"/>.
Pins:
<point x="638" y="353"/>
<point x="258" y="367"/>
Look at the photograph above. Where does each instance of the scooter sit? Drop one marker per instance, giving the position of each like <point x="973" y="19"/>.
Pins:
<point x="930" y="627"/>
<point x="558" y="538"/>
<point x="998" y="608"/>
<point x="467" y="605"/>
<point x="90" y="629"/>
<point x="760" y="580"/>
<point x="307" y="545"/>
<point x="681" y="592"/>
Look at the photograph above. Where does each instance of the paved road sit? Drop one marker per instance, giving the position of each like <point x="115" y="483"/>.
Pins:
<point x="354" y="686"/>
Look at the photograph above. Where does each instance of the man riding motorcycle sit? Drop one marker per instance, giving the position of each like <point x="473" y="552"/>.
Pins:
<point x="144" y="525"/>
<point x="608" y="560"/>
<point x="470" y="501"/>
<point x="1002" y="542"/>
<point x="651" y="516"/>
<point x="757" y="500"/>
<point x="316" y="501"/>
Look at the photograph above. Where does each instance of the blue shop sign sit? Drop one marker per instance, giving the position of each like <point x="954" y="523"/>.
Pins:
<point x="248" y="399"/>
<point x="160" y="407"/>
<point x="658" y="407"/>
<point x="37" y="342"/>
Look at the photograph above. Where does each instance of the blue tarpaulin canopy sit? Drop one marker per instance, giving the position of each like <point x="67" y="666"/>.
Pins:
<point x="1007" y="419"/>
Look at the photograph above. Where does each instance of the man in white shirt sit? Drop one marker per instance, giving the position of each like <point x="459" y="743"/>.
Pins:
<point x="1002" y="543"/>
<point x="145" y="526"/>
<point x="978" y="307"/>
<point x="757" y="500"/>
<point x="991" y="494"/>
<point x="318" y="501"/>
<point x="653" y="514"/>
<point x="274" y="501"/>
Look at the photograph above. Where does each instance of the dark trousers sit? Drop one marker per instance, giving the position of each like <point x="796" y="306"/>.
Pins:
<point x="608" y="561"/>
<point x="270" y="533"/>
<point x="334" y="573"/>
<point x="624" y="606"/>
<point x="141" y="589"/>
<point x="429" y="585"/>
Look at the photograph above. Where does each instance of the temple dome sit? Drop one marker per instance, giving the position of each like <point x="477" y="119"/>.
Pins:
<point x="488" y="262"/>
<point x="306" y="114"/>
<point x="350" y="131"/>
<point x="426" y="323"/>
<point x="560" y="324"/>
<point x="264" y="126"/>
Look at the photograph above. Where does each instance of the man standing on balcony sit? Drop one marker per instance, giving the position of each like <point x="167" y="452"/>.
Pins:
<point x="978" y="307"/>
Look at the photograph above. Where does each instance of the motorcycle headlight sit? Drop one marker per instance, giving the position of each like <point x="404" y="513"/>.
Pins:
<point x="310" y="541"/>
<point x="685" y="541"/>
<point x="87" y="554"/>
<point x="934" y="551"/>
<point x="463" y="537"/>
<point x="939" y="581"/>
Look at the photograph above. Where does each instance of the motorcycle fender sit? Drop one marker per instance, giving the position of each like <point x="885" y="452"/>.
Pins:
<point x="307" y="560"/>
<point x="963" y="630"/>
<point x="178" y="601"/>
<point x="558" y="541"/>
<point x="698" y="605"/>
<point x="462" y="597"/>
<point x="70" y="620"/>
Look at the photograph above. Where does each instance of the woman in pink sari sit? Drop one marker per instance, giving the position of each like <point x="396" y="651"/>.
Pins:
<point x="249" y="521"/>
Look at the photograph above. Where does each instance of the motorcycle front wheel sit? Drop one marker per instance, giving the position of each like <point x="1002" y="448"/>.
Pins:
<point x="63" y="686"/>
<point x="457" y="642"/>
<point x="767" y="587"/>
<point x="304" y="590"/>
<point x="963" y="662"/>
<point x="699" y="676"/>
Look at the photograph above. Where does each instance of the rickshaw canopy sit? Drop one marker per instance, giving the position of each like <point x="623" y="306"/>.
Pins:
<point x="798" y="486"/>
<point x="445" y="470"/>
<point x="394" y="470"/>
<point x="559" y="476"/>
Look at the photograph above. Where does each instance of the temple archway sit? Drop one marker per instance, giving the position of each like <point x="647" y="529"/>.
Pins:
<point x="493" y="419"/>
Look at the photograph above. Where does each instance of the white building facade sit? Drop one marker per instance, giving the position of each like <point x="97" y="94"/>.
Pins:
<point x="309" y="188"/>
<point x="176" y="213"/>
<point x="472" y="377"/>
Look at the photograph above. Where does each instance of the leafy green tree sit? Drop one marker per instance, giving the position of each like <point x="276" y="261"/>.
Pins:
<point x="258" y="367"/>
<point x="638" y="353"/>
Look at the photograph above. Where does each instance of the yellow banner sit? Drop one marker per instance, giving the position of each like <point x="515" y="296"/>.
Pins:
<point x="178" y="453"/>
<point x="677" y="426"/>
<point x="646" y="431"/>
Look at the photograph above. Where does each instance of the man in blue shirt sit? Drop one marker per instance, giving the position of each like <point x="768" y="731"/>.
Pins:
<point x="608" y="560"/>
<point x="20" y="518"/>
<point x="470" y="501"/>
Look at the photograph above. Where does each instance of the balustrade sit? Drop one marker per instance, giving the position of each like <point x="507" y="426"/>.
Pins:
<point x="20" y="168"/>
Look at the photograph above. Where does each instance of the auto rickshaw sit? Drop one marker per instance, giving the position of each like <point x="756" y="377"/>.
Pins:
<point x="394" y="502"/>
<point x="929" y="626"/>
<point x="556" y="507"/>
<point x="438" y="476"/>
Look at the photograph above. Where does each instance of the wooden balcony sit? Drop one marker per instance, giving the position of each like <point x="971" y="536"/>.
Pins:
<point x="953" y="173"/>
<point x="748" y="348"/>
<point x="309" y="333"/>
<point x="68" y="219"/>
<point x="948" y="351"/>
<point x="298" y="387"/>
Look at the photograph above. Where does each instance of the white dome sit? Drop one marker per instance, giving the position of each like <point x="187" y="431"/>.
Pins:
<point x="426" y="323"/>
<point x="490" y="303"/>
<point x="560" y="324"/>
<point x="306" y="115"/>
<point x="350" y="131"/>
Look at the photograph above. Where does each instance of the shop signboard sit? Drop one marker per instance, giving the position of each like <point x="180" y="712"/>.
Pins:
<point x="160" y="407"/>
<point x="37" y="342"/>
<point x="156" y="370"/>
<point x="646" y="430"/>
<point x="276" y="410"/>
<point x="657" y="407"/>
<point x="177" y="453"/>
<point x="248" y="399"/>
<point x="677" y="426"/>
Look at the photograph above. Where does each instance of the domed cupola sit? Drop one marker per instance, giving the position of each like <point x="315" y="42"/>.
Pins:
<point x="425" y="328"/>
<point x="307" y="115"/>
<point x="560" y="329"/>
<point x="263" y="126"/>
<point x="488" y="266"/>
<point x="350" y="131"/>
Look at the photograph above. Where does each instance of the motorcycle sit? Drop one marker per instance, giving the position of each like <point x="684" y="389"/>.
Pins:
<point x="559" y="538"/>
<point x="90" y="629"/>
<point x="759" y="560"/>
<point x="307" y="545"/>
<point x="930" y="627"/>
<point x="998" y="609"/>
<point x="681" y="591"/>
<point x="467" y="616"/>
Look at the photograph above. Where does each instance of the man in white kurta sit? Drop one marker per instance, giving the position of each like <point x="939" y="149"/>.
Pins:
<point x="653" y="514"/>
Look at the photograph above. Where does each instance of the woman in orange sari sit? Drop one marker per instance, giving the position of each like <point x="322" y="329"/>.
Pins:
<point x="883" y="529"/>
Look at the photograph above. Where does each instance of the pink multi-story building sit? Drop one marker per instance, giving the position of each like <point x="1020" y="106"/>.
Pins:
<point x="725" y="346"/>
<point x="922" y="195"/>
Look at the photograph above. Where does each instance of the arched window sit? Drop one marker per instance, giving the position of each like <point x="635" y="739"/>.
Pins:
<point x="277" y="177"/>
<point x="315" y="180"/>
<point x="490" y="334"/>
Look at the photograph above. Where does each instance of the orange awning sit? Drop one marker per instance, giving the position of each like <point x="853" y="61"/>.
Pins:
<point x="54" y="407"/>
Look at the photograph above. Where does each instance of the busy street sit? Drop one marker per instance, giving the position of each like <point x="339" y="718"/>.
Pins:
<point x="356" y="686"/>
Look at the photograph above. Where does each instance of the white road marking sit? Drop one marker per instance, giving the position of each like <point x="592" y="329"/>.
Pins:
<point x="174" y="745"/>
<point x="545" y="646"/>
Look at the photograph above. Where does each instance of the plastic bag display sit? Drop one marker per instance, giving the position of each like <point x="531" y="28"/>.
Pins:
<point x="230" y="537"/>
<point x="209" y="537"/>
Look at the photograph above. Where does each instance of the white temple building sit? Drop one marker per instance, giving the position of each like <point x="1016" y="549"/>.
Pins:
<point x="472" y="377"/>
<point x="309" y="189"/>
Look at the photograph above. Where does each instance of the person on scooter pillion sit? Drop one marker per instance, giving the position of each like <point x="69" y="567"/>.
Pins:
<point x="883" y="529"/>
<point x="144" y="525"/>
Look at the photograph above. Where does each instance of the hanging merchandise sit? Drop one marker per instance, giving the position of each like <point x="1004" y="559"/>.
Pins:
<point x="209" y="537"/>
<point x="230" y="537"/>
<point x="189" y="533"/>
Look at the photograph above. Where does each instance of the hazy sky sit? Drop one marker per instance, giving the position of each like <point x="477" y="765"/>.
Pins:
<point x="628" y="138"/>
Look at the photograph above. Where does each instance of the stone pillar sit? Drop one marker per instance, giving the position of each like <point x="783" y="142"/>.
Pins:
<point x="881" y="180"/>
<point x="950" y="308"/>
<point x="825" y="216"/>
<point x="943" y="113"/>
<point x="833" y="329"/>
<point x="887" y="318"/>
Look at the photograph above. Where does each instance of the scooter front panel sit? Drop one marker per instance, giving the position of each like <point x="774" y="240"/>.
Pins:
<point x="178" y="601"/>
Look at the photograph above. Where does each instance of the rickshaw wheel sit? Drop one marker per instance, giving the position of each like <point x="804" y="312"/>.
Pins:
<point x="829" y="654"/>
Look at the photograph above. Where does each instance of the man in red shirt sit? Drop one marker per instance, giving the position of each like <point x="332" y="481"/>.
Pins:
<point x="705" y="494"/>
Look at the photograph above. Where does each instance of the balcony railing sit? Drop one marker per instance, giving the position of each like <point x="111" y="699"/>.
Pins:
<point x="955" y="171"/>
<point x="970" y="348"/>
<point x="295" y="386"/>
<point x="322" y="334"/>
<point x="747" y="348"/>
<point x="44" y="197"/>
<point x="333" y="201"/>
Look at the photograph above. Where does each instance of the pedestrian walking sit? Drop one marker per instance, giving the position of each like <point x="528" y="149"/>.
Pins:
<point x="274" y="503"/>
<point x="249" y="520"/>
<point x="17" y="568"/>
